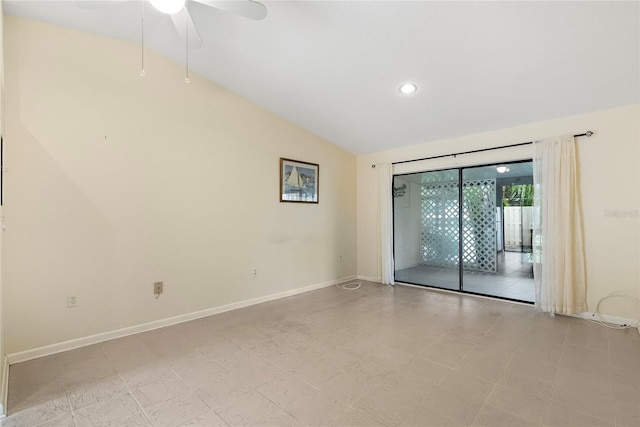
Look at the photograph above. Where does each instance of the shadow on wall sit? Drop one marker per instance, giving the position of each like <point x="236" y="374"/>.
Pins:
<point x="56" y="243"/>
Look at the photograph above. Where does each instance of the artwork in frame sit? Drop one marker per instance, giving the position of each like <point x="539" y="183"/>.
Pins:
<point x="299" y="181"/>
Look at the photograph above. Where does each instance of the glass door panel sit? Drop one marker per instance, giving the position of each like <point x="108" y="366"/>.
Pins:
<point x="496" y="236"/>
<point x="426" y="228"/>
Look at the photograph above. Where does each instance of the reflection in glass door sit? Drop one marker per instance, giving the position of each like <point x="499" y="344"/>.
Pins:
<point x="466" y="229"/>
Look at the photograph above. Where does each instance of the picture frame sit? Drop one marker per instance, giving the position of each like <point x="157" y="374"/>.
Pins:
<point x="299" y="181"/>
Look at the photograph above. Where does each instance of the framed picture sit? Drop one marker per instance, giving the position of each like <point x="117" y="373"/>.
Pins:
<point x="299" y="181"/>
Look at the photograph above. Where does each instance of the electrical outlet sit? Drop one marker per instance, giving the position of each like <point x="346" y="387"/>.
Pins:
<point x="72" y="301"/>
<point x="254" y="273"/>
<point x="157" y="288"/>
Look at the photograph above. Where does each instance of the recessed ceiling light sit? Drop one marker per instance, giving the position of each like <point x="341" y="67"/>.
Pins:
<point x="408" y="88"/>
<point x="502" y="169"/>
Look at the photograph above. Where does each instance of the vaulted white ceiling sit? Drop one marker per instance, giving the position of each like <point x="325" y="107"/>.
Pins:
<point x="334" y="67"/>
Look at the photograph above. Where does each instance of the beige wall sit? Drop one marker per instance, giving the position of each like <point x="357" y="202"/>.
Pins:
<point x="3" y="374"/>
<point x="117" y="181"/>
<point x="610" y="199"/>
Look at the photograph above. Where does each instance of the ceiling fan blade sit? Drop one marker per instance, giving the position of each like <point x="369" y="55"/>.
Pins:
<point x="95" y="4"/>
<point x="181" y="21"/>
<point x="247" y="8"/>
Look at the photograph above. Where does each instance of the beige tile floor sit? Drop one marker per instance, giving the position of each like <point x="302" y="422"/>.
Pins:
<point x="375" y="356"/>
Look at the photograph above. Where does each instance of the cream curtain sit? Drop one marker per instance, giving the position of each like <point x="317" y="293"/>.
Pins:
<point x="385" y="225"/>
<point x="559" y="265"/>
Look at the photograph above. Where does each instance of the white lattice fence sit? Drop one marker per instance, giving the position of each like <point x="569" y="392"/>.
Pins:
<point x="439" y="236"/>
<point x="479" y="225"/>
<point x="440" y="225"/>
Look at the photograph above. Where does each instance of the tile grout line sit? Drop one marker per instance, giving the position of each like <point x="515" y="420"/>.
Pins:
<point x="551" y="333"/>
<point x="129" y="391"/>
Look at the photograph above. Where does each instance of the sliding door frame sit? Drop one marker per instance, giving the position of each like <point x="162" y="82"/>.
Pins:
<point x="460" y="170"/>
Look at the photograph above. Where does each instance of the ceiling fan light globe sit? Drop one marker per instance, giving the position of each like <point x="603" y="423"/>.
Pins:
<point x="169" y="7"/>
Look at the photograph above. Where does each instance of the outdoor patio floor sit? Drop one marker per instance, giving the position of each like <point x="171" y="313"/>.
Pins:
<point x="514" y="279"/>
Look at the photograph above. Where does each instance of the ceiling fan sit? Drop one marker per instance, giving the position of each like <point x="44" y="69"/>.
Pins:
<point x="179" y="12"/>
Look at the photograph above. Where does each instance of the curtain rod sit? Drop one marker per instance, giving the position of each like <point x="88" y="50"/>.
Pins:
<point x="587" y="134"/>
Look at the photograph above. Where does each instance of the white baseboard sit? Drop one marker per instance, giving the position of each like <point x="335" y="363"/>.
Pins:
<point x="610" y="319"/>
<point x="23" y="356"/>
<point x="368" y="278"/>
<point x="4" y="387"/>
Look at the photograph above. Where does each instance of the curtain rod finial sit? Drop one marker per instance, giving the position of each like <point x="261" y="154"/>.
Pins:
<point x="588" y="133"/>
<point x="373" y="166"/>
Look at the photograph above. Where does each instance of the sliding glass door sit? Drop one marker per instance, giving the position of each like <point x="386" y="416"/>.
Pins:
<point x="466" y="229"/>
